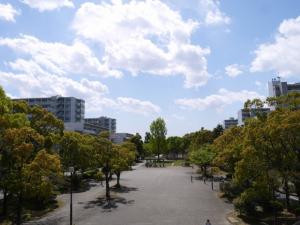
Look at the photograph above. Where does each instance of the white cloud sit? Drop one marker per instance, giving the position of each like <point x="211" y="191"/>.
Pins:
<point x="31" y="80"/>
<point x="48" y="5"/>
<point x="233" y="70"/>
<point x="137" y="106"/>
<point x="282" y="56"/>
<point x="258" y="83"/>
<point x="139" y="38"/>
<point x="217" y="101"/>
<point x="177" y="117"/>
<point x="8" y="12"/>
<point x="58" y="58"/>
<point x="213" y="13"/>
<point x="28" y="79"/>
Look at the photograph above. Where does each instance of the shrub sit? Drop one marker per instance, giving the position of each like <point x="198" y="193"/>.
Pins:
<point x="99" y="176"/>
<point x="297" y="211"/>
<point x="276" y="206"/>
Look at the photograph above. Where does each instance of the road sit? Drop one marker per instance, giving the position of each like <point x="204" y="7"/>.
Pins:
<point x="153" y="196"/>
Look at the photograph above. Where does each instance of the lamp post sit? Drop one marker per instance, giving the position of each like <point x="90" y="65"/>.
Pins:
<point x="71" y="170"/>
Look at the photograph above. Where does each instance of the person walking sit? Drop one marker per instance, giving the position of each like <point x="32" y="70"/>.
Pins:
<point x="191" y="179"/>
<point x="207" y="222"/>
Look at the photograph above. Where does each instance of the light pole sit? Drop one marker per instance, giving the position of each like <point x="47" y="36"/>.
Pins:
<point x="71" y="170"/>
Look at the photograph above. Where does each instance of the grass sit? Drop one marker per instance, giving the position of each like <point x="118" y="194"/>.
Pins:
<point x="178" y="162"/>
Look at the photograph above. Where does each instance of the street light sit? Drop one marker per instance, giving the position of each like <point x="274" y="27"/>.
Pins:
<point x="71" y="170"/>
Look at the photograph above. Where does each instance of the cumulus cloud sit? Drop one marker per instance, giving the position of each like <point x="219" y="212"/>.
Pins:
<point x="29" y="79"/>
<point x="137" y="106"/>
<point x="48" y="5"/>
<point x="137" y="37"/>
<point x="58" y="58"/>
<point x="281" y="56"/>
<point x="217" y="101"/>
<point x="8" y="12"/>
<point x="233" y="70"/>
<point x="213" y="13"/>
<point x="258" y="83"/>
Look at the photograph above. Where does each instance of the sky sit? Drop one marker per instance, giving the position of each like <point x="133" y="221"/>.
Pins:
<point x="192" y="62"/>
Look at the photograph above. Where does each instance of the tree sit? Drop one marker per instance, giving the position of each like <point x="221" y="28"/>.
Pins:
<point x="125" y="156"/>
<point x="158" y="132"/>
<point x="46" y="124"/>
<point x="175" y="145"/>
<point x="76" y="150"/>
<point x="104" y="155"/>
<point x="137" y="140"/>
<point x="228" y="148"/>
<point x="20" y="145"/>
<point x="217" y="131"/>
<point x="202" y="156"/>
<point x="147" y="137"/>
<point x="40" y="176"/>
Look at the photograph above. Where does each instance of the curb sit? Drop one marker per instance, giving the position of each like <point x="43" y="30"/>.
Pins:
<point x="234" y="220"/>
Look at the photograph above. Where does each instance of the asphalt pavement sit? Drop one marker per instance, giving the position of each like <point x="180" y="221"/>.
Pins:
<point x="152" y="196"/>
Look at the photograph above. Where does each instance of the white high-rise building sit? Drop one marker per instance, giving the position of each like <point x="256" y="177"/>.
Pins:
<point x="109" y="124"/>
<point x="231" y="122"/>
<point x="278" y="88"/>
<point x="67" y="109"/>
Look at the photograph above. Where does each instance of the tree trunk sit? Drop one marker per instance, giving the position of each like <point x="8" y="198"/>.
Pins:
<point x="4" y="204"/>
<point x="204" y="170"/>
<point x="107" y="190"/>
<point x="19" y="209"/>
<point x="118" y="179"/>
<point x="287" y="193"/>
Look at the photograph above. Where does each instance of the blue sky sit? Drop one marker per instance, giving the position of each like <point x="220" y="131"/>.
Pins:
<point x="192" y="62"/>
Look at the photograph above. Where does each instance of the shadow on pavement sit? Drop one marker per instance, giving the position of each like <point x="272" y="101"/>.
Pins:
<point x="108" y="206"/>
<point x="123" y="189"/>
<point x="57" y="221"/>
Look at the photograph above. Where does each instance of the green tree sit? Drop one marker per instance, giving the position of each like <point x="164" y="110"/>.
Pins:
<point x="104" y="155"/>
<point x="175" y="146"/>
<point x="41" y="175"/>
<point x="158" y="136"/>
<point x="123" y="159"/>
<point x="76" y="151"/>
<point x="202" y="156"/>
<point x="20" y="144"/>
<point x="46" y="124"/>
<point x="217" y="131"/>
<point x="228" y="148"/>
<point x="137" y="140"/>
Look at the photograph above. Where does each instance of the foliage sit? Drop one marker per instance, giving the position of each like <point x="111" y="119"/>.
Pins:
<point x="76" y="150"/>
<point x="175" y="145"/>
<point x="158" y="132"/>
<point x="137" y="140"/>
<point x="202" y="156"/>
<point x="263" y="156"/>
<point x="123" y="159"/>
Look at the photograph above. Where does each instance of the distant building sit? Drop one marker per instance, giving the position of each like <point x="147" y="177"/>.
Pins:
<point x="67" y="109"/>
<point x="278" y="88"/>
<point x="72" y="112"/>
<point x="107" y="123"/>
<point x="244" y="114"/>
<point x="119" y="138"/>
<point x="231" y="122"/>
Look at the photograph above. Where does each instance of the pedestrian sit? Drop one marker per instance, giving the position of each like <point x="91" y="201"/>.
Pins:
<point x="204" y="180"/>
<point x="191" y="179"/>
<point x="207" y="222"/>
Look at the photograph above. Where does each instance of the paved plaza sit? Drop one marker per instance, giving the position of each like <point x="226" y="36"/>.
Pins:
<point x="153" y="196"/>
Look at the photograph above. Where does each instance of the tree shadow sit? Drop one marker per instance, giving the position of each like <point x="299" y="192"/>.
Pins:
<point x="108" y="205"/>
<point x="123" y="189"/>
